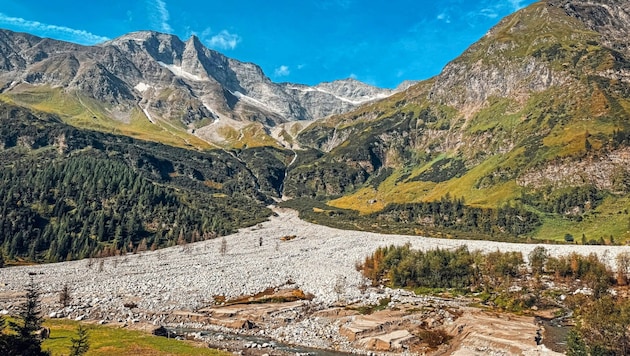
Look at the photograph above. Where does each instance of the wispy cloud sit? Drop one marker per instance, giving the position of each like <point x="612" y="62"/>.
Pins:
<point x="224" y="40"/>
<point x="282" y="71"/>
<point x="161" y="15"/>
<point x="516" y="4"/>
<point x="489" y="13"/>
<point x="444" y="16"/>
<point x="493" y="9"/>
<point x="62" y="32"/>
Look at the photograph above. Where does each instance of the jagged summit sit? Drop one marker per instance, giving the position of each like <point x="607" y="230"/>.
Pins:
<point x="608" y="17"/>
<point x="174" y="84"/>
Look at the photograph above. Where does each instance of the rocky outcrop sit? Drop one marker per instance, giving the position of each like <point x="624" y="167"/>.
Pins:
<point x="609" y="171"/>
<point x="609" y="17"/>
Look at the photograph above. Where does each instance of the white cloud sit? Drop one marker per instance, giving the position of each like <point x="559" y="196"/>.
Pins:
<point x="224" y="40"/>
<point x="282" y="71"/>
<point x="162" y="16"/>
<point x="67" y="33"/>
<point x="444" y="17"/>
<point x="494" y="9"/>
<point x="489" y="13"/>
<point x="516" y="4"/>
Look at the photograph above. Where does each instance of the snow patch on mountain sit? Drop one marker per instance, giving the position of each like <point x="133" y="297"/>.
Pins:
<point x="351" y="100"/>
<point x="255" y="102"/>
<point x="180" y="72"/>
<point x="142" y="87"/>
<point x="146" y="113"/>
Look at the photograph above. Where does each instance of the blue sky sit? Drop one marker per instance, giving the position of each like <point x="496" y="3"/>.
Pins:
<point x="378" y="42"/>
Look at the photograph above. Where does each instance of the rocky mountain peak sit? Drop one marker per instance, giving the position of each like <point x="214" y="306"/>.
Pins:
<point x="537" y="48"/>
<point x="353" y="90"/>
<point x="608" y="17"/>
<point x="170" y="80"/>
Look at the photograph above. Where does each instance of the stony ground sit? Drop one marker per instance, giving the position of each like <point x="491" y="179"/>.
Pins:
<point x="319" y="260"/>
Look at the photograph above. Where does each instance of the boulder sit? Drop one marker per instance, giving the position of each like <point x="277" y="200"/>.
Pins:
<point x="161" y="331"/>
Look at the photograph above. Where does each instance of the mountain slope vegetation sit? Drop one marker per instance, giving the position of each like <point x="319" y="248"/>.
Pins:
<point x="69" y="193"/>
<point x="534" y="116"/>
<point x="147" y="141"/>
<point x="157" y="87"/>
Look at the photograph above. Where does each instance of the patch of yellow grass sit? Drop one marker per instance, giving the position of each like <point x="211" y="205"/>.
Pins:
<point x="608" y="219"/>
<point x="369" y="200"/>
<point x="213" y="184"/>
<point x="110" y="340"/>
<point x="84" y="112"/>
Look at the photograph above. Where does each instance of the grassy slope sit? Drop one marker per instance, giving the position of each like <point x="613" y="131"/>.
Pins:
<point x="548" y="125"/>
<point x="87" y="113"/>
<point x="83" y="112"/>
<point x="108" y="340"/>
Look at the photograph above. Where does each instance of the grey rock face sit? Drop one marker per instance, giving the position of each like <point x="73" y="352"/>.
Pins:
<point x="502" y="65"/>
<point x="609" y="17"/>
<point x="171" y="79"/>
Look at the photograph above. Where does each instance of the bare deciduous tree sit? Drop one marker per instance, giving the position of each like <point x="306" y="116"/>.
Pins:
<point x="623" y="268"/>
<point x="340" y="286"/>
<point x="223" y="248"/>
<point x="64" y="296"/>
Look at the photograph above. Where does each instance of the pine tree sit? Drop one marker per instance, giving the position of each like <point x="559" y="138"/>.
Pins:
<point x="223" y="247"/>
<point x="25" y="342"/>
<point x="80" y="344"/>
<point x="4" y="338"/>
<point x="29" y="313"/>
<point x="64" y="296"/>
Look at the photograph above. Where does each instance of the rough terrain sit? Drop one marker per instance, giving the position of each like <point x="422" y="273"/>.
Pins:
<point x="173" y="285"/>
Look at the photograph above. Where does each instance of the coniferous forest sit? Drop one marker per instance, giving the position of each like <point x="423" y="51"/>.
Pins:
<point x="69" y="194"/>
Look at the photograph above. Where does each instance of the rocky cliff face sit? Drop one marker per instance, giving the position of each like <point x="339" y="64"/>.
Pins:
<point x="170" y="80"/>
<point x="608" y="17"/>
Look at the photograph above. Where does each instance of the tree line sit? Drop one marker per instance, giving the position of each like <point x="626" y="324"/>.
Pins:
<point x="602" y="318"/>
<point x="86" y="205"/>
<point x="449" y="213"/>
<point x="68" y="194"/>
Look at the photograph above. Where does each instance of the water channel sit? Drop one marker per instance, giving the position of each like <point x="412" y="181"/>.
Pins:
<point x="259" y="340"/>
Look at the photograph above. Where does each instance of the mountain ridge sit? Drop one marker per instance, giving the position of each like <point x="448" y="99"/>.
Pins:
<point x="523" y="136"/>
<point x="172" y="83"/>
<point x="536" y="111"/>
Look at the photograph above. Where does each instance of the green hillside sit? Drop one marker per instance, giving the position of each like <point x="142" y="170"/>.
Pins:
<point x="531" y="116"/>
<point x="67" y="193"/>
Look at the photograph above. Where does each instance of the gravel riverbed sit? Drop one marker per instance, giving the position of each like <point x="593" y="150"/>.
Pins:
<point x="319" y="260"/>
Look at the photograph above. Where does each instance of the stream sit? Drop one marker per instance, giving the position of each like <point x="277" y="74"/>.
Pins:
<point x="556" y="331"/>
<point x="222" y="337"/>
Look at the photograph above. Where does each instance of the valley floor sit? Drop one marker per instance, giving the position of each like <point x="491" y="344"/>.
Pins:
<point x="172" y="286"/>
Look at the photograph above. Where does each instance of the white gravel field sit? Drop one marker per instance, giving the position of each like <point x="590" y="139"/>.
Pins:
<point x="187" y="277"/>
